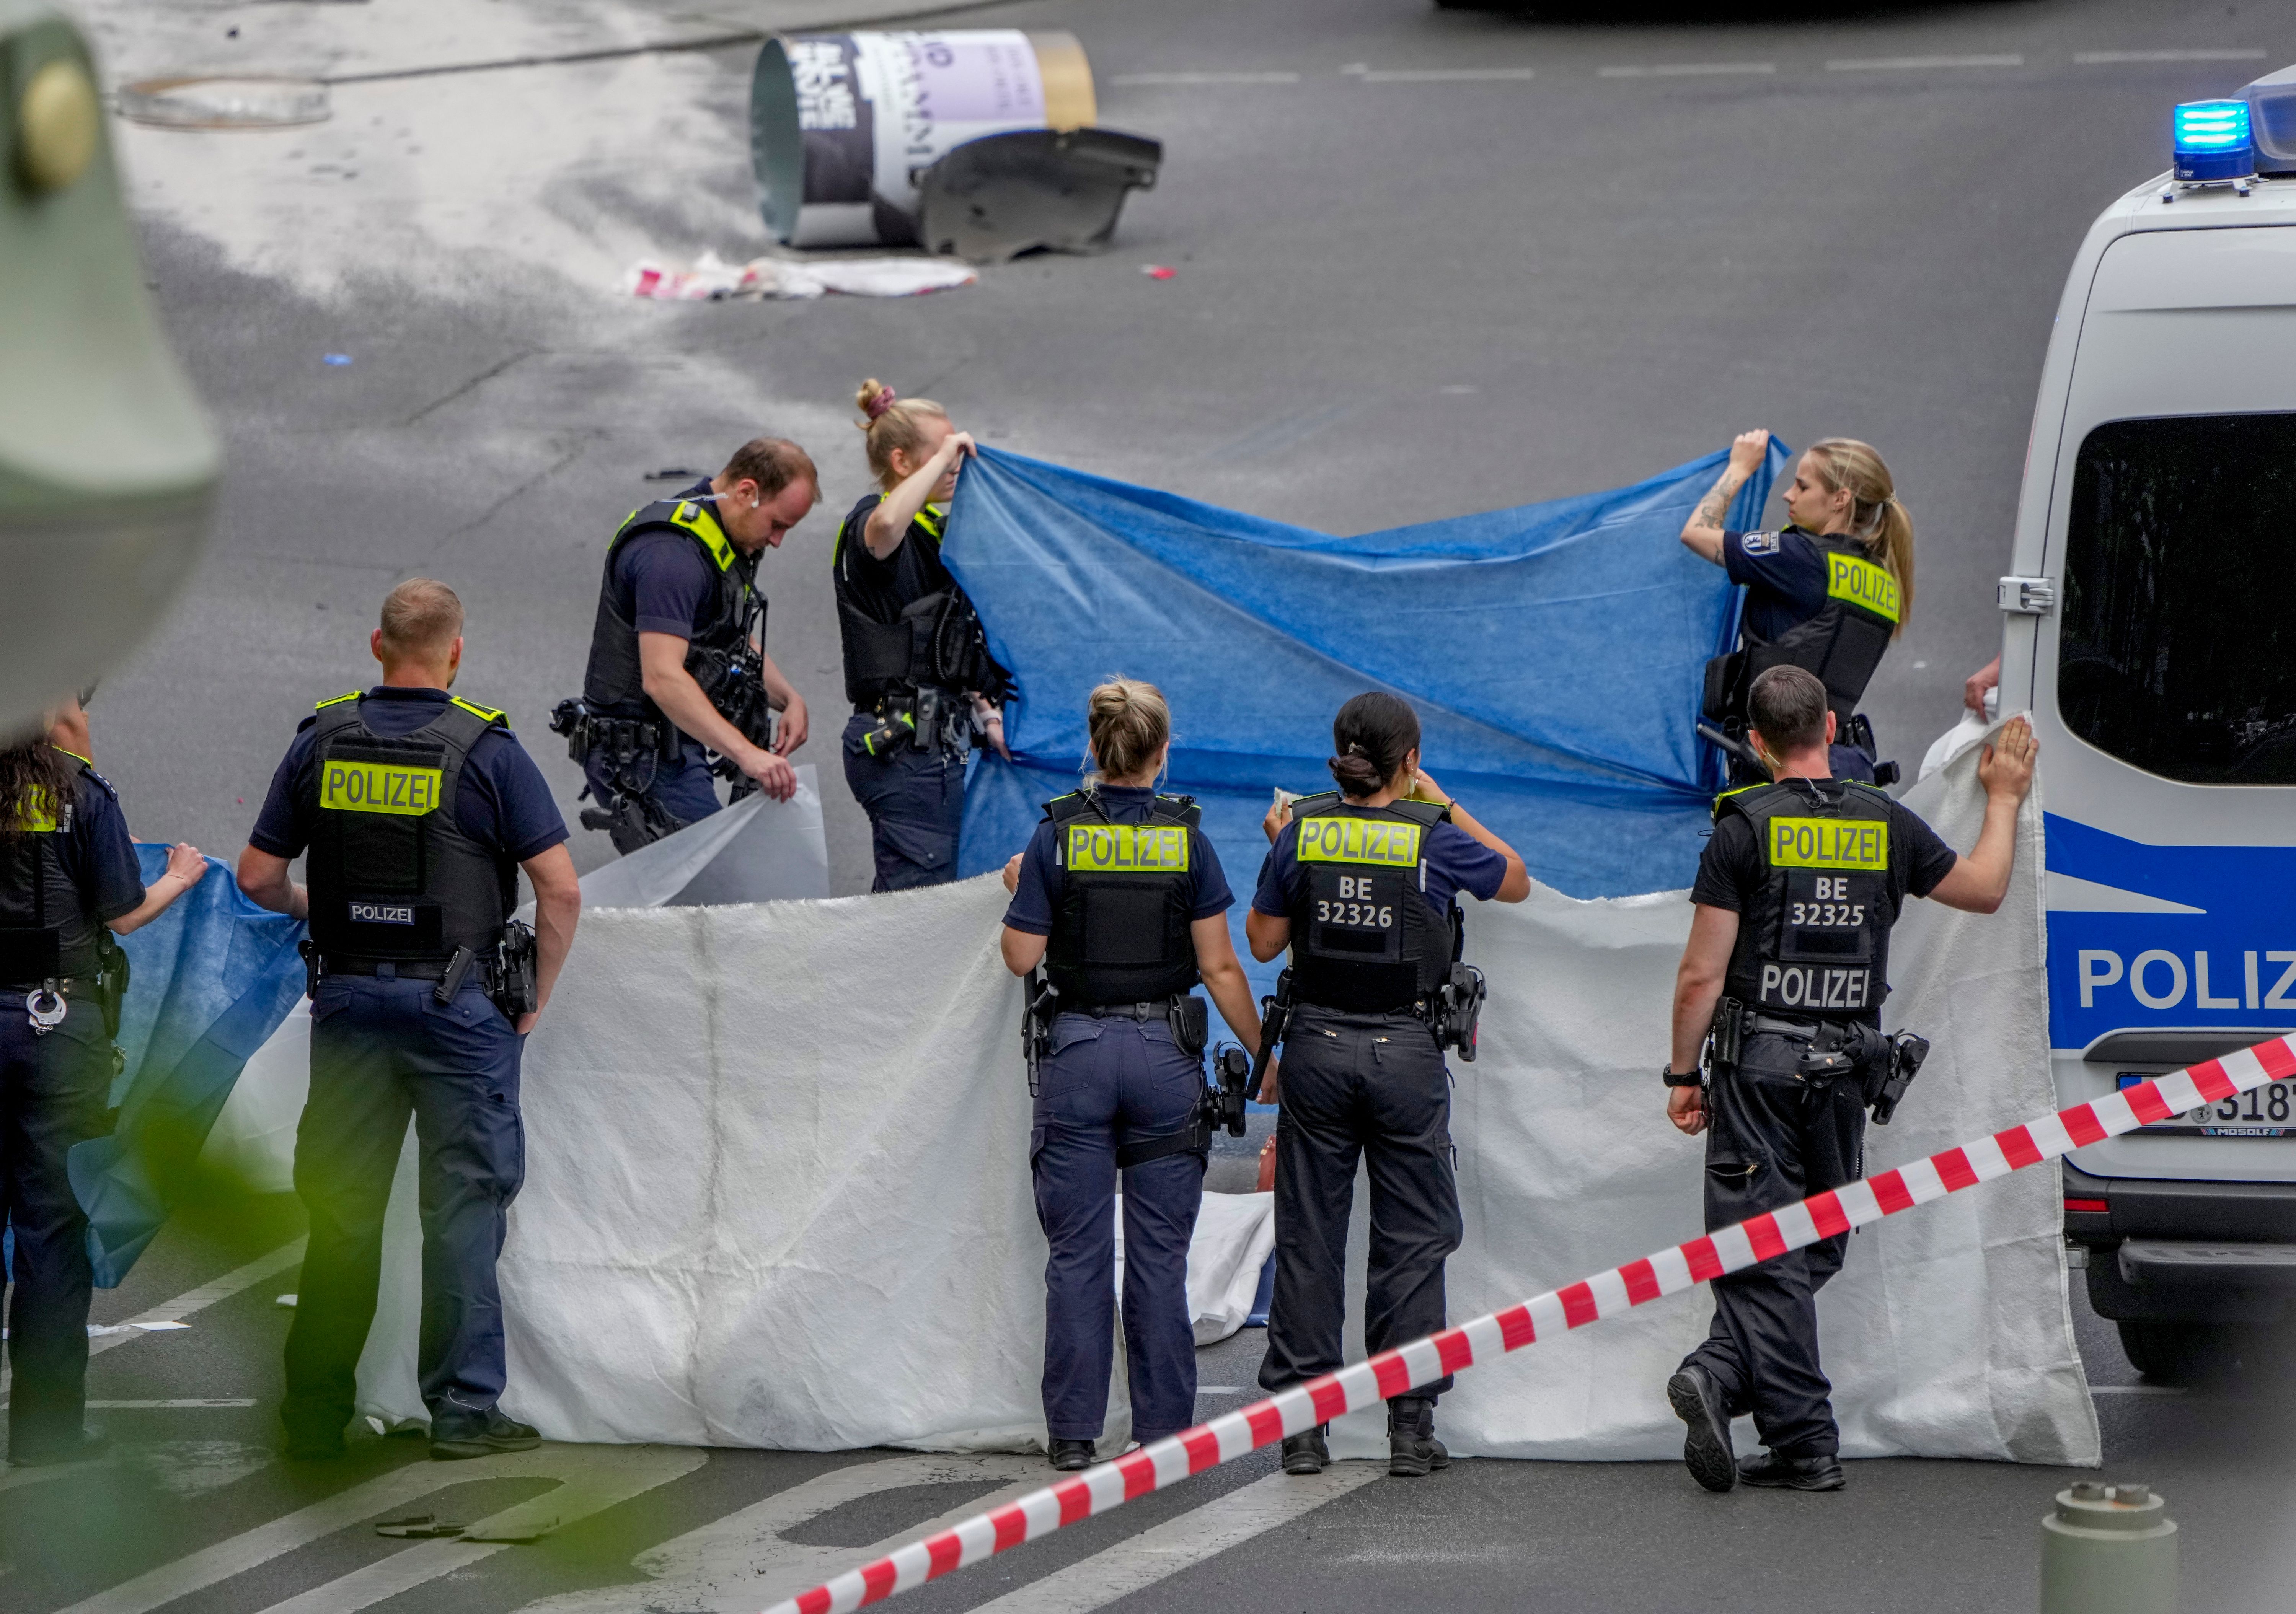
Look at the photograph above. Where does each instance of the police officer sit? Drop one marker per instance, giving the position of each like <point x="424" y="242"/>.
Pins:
<point x="917" y="668"/>
<point x="67" y="874"/>
<point x="1361" y="885"/>
<point x="1122" y="900"/>
<point x="1827" y="592"/>
<point x="1796" y="893"/>
<point x="671" y="649"/>
<point x="418" y="808"/>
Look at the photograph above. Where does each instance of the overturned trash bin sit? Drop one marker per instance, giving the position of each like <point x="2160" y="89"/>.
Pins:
<point x="997" y="197"/>
<point x="843" y="125"/>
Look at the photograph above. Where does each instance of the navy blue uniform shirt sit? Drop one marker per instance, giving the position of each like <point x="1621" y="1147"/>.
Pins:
<point x="99" y="854"/>
<point x="1784" y="575"/>
<point x="501" y="803"/>
<point x="1450" y="861"/>
<point x="663" y="580"/>
<point x="1038" y="896"/>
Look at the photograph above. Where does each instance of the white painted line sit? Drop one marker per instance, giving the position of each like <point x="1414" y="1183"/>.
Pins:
<point x="1219" y="1389"/>
<point x="2133" y="1389"/>
<point x="1915" y="64"/>
<point x="1129" y="80"/>
<point x="1686" y="70"/>
<point x="123" y="1406"/>
<point x="1445" y="75"/>
<point x="2117" y="58"/>
<point x="402" y="1571"/>
<point x="1204" y="1531"/>
<point x="191" y="1300"/>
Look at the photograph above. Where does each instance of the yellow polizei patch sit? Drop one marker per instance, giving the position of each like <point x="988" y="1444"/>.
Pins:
<point x="1379" y="840"/>
<point x="378" y="787"/>
<point x="1128" y="849"/>
<point x="1829" y="843"/>
<point x="1863" y="583"/>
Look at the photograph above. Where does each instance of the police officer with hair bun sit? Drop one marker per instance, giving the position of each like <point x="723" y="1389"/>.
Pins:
<point x="1361" y="884"/>
<point x="1782" y="984"/>
<point x="68" y="882"/>
<point x="1122" y="901"/>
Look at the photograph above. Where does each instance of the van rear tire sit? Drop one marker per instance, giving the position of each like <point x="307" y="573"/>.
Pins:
<point x="2181" y="1354"/>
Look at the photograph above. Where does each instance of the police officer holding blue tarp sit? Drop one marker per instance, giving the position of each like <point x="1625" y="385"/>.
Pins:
<point x="917" y="669"/>
<point x="677" y="673"/>
<point x="1361" y="885"/>
<point x="1827" y="592"/>
<point x="1781" y="985"/>
<point x="68" y="882"/>
<point x="417" y="807"/>
<point x="1121" y="900"/>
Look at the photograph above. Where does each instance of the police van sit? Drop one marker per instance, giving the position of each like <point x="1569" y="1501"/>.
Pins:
<point x="2150" y="628"/>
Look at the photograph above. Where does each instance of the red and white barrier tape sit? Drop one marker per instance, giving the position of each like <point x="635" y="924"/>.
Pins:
<point x="1392" y="1372"/>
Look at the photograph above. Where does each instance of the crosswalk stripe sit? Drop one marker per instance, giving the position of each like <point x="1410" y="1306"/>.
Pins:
<point x="1202" y="1532"/>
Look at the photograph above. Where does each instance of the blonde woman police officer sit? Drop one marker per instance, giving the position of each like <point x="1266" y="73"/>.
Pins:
<point x="1122" y="900"/>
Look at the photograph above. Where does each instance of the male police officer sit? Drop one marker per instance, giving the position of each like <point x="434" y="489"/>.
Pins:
<point x="1796" y="893"/>
<point x="679" y="599"/>
<point x="417" y="807"/>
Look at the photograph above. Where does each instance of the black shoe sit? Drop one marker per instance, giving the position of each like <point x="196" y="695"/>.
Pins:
<point x="1412" y="1449"/>
<point x="481" y="1438"/>
<point x="1307" y="1453"/>
<point x="1071" y="1456"/>
<point x="1697" y="1401"/>
<point x="91" y="1443"/>
<point x="1820" y="1473"/>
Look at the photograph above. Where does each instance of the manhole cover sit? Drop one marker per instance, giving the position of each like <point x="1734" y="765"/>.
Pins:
<point x="242" y="101"/>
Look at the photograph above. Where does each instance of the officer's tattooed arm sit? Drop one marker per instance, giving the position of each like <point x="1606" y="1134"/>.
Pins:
<point x="1702" y="533"/>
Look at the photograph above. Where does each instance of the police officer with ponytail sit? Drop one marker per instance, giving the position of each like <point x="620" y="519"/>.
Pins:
<point x="1362" y="886"/>
<point x="925" y="689"/>
<point x="1825" y="593"/>
<point x="1785" y="971"/>
<point x="1121" y="900"/>
<point x="68" y="875"/>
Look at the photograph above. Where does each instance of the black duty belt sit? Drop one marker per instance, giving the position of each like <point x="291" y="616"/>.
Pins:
<point x="1800" y="1030"/>
<point x="65" y="984"/>
<point x="419" y="969"/>
<point x="1156" y="1010"/>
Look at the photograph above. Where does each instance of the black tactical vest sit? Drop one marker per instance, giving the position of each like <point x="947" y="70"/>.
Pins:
<point x="1128" y="894"/>
<point x="1365" y="940"/>
<point x="614" y="685"/>
<point x="1843" y="644"/>
<point x="933" y="640"/>
<point x="1814" y="939"/>
<point x="391" y="875"/>
<point x="47" y="930"/>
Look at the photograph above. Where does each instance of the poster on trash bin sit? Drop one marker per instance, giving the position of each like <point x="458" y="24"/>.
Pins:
<point x="871" y="112"/>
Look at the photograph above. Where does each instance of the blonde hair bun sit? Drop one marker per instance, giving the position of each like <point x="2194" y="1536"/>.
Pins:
<point x="1128" y="723"/>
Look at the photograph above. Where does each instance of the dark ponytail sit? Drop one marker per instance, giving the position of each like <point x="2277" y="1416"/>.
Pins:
<point x="1373" y="734"/>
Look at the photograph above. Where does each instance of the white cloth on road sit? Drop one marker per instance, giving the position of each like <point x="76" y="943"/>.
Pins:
<point x="712" y="278"/>
<point x="778" y="1192"/>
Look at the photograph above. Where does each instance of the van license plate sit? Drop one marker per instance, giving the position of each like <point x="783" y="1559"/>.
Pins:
<point x="2260" y="1112"/>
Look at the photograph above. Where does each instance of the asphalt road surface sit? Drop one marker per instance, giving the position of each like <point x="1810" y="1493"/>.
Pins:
<point x="1429" y="262"/>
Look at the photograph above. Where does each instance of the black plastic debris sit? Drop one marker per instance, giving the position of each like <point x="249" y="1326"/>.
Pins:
<point x="993" y="199"/>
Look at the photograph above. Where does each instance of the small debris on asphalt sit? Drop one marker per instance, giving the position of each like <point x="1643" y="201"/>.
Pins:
<point x="1158" y="271"/>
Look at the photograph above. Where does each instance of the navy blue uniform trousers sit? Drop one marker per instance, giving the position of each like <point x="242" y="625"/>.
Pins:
<point x="1773" y="1139"/>
<point x="381" y="1048"/>
<point x="53" y="1091"/>
<point x="1106" y="1083"/>
<point x="683" y="787"/>
<point x="1370" y="1087"/>
<point x="916" y="803"/>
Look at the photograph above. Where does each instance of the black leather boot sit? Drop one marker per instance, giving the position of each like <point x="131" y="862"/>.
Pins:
<point x="1819" y="1473"/>
<point x="1307" y="1453"/>
<point x="1706" y="1452"/>
<point x="1071" y="1456"/>
<point x="1412" y="1449"/>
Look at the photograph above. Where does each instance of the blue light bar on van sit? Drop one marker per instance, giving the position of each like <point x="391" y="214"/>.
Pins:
<point x="2213" y="142"/>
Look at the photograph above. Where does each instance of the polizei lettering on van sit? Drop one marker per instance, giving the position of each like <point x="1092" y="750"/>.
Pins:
<point x="378" y="787"/>
<point x="1821" y="987"/>
<point x="1377" y="840"/>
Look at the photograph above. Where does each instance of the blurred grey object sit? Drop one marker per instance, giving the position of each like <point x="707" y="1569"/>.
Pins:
<point x="994" y="198"/>
<point x="108" y="465"/>
<point x="240" y="101"/>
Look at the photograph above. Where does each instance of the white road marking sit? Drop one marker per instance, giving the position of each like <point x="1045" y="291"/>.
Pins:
<point x="1194" y="78"/>
<point x="123" y="1406"/>
<point x="191" y="1300"/>
<point x="1686" y="70"/>
<point x="592" y="1477"/>
<point x="1202" y="1532"/>
<point x="2115" y="58"/>
<point x="2133" y="1389"/>
<point x="1911" y="64"/>
<point x="1443" y="75"/>
<point x="402" y="1571"/>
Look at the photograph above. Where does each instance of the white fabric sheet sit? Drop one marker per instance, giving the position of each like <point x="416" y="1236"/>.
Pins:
<point x="768" y="1205"/>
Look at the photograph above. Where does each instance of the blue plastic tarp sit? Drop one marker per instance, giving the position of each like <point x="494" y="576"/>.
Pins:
<point x="209" y="981"/>
<point x="1554" y="652"/>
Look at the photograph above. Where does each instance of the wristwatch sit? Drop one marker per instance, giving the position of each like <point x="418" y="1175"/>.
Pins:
<point x="1680" y="1078"/>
